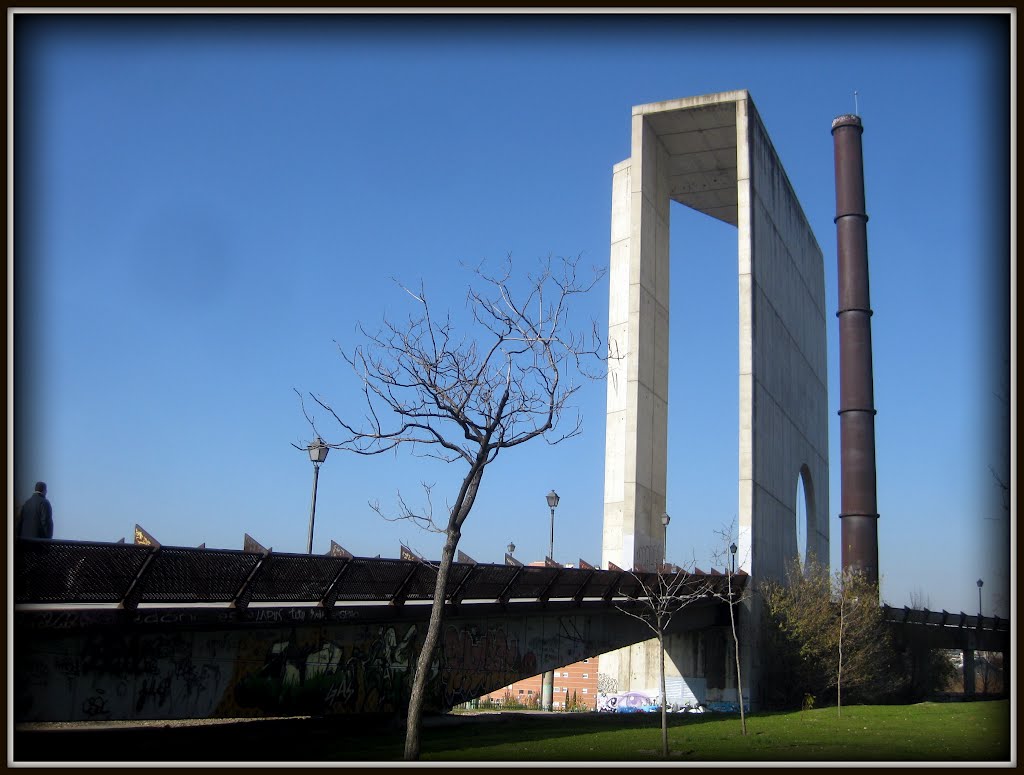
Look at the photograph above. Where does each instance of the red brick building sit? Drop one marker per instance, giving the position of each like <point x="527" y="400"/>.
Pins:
<point x="580" y="677"/>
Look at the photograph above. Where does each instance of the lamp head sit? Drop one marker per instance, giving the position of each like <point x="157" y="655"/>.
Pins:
<point x="318" y="450"/>
<point x="665" y="519"/>
<point x="511" y="548"/>
<point x="552" y="499"/>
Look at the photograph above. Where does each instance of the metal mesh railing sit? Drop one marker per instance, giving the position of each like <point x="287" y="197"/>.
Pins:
<point x="568" y="583"/>
<point x="74" y="572"/>
<point x="179" y="575"/>
<point x="295" y="578"/>
<point x="533" y="582"/>
<point x="488" y="582"/>
<point x="374" y="579"/>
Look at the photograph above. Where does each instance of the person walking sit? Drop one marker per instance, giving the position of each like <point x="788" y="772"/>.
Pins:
<point x="36" y="518"/>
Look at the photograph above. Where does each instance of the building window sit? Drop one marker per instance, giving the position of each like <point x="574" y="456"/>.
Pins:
<point x="586" y="661"/>
<point x="584" y="690"/>
<point x="586" y="675"/>
<point x="520" y="691"/>
<point x="557" y="690"/>
<point x="565" y="675"/>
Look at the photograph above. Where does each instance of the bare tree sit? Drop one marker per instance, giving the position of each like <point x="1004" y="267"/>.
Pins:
<point x="733" y="594"/>
<point x="465" y="397"/>
<point x="656" y="601"/>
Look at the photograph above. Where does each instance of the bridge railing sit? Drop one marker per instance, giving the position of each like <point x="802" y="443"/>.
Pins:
<point x="924" y="617"/>
<point x="129" y="575"/>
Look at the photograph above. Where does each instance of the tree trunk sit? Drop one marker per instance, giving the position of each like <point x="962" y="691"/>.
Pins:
<point x="839" y="673"/>
<point x="736" y="649"/>
<point x="419" y="684"/>
<point x="664" y="699"/>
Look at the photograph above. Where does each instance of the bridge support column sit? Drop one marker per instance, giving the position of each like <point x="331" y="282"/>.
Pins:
<point x="547" y="690"/>
<point x="1006" y="672"/>
<point x="968" y="672"/>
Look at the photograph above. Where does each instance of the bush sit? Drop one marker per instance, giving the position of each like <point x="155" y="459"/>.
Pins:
<point x="573" y="704"/>
<point x="826" y="635"/>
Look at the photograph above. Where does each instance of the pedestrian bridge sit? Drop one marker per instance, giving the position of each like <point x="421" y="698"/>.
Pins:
<point x="125" y="631"/>
<point x="108" y="631"/>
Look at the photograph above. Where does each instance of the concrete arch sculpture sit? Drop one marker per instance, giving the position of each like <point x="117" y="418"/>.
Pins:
<point x="713" y="154"/>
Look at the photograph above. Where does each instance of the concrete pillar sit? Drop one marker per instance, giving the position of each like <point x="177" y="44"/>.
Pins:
<point x="969" y="672"/>
<point x="1006" y="673"/>
<point x="547" y="690"/>
<point x="637" y="428"/>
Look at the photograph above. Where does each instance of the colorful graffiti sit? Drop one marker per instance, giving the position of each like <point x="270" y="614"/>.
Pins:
<point x="628" y="702"/>
<point x="647" y="701"/>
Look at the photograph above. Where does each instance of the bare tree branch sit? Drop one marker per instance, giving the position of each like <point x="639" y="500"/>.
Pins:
<point x="658" y="601"/>
<point x="465" y="399"/>
<point x="733" y="594"/>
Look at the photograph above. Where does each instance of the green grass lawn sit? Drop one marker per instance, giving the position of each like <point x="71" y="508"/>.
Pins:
<point x="941" y="732"/>
<point x="974" y="731"/>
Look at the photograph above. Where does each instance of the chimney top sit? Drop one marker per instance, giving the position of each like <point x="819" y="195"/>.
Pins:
<point x="847" y="120"/>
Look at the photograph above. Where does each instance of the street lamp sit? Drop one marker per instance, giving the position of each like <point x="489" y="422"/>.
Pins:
<point x="552" y="498"/>
<point x="317" y="454"/>
<point x="548" y="679"/>
<point x="665" y="519"/>
<point x="511" y="548"/>
<point x="980" y="585"/>
<point x="732" y="550"/>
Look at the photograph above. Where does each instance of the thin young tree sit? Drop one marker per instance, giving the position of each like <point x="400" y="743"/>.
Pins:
<point x="658" y="598"/>
<point x="465" y="396"/>
<point x="837" y="624"/>
<point x="734" y="593"/>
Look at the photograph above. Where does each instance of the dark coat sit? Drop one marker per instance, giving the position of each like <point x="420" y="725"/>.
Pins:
<point x="36" y="518"/>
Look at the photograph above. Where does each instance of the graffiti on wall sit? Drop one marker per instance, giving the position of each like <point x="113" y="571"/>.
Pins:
<point x="369" y="673"/>
<point x="628" y="702"/>
<point x="109" y="673"/>
<point x="477" y="660"/>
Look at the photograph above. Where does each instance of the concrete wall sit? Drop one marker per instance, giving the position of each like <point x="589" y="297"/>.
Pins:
<point x="783" y="370"/>
<point x="79" y="666"/>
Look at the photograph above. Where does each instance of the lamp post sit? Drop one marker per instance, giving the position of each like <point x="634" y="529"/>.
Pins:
<point x="552" y="498"/>
<point x="732" y="550"/>
<point x="548" y="679"/>
<point x="317" y="454"/>
<point x="980" y="585"/>
<point x="511" y="548"/>
<point x="665" y="519"/>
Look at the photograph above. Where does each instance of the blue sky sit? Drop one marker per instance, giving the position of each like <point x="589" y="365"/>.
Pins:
<point x="206" y="207"/>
